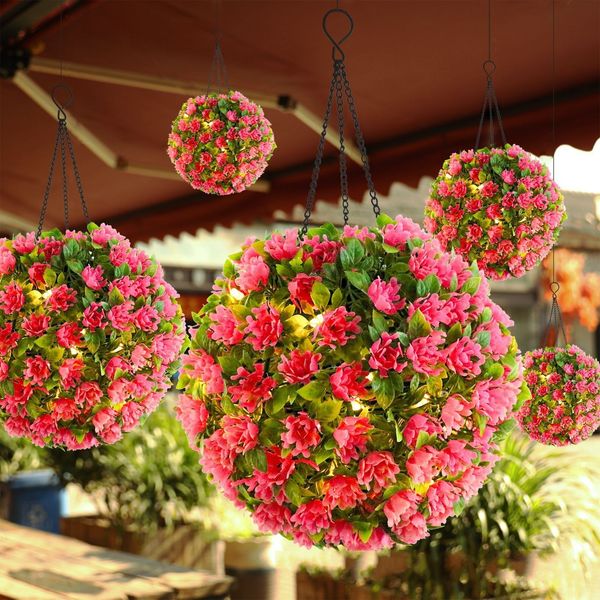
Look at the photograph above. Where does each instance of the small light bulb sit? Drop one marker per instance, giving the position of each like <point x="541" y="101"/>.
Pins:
<point x="356" y="405"/>
<point x="236" y="294"/>
<point x="370" y="376"/>
<point x="316" y="321"/>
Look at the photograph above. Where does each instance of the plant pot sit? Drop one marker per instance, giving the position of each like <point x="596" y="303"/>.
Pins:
<point x="252" y="563"/>
<point x="184" y="545"/>
<point x="34" y="499"/>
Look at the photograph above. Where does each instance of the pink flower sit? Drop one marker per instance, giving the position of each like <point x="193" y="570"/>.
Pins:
<point x="464" y="357"/>
<point x="424" y="464"/>
<point x="36" y="273"/>
<point x="92" y="276"/>
<point x="103" y="419"/>
<point x="401" y="505"/>
<point x="351" y="435"/>
<point x="412" y="529"/>
<point x="416" y="424"/>
<point x="37" y="370"/>
<point x="379" y="467"/>
<point x="121" y="316"/>
<point x="283" y="247"/>
<point x="70" y="372"/>
<point x="338" y="327"/>
<point x="302" y="433"/>
<point x="312" y="517"/>
<point x="12" y="298"/>
<point x="65" y="409"/>
<point x="130" y="415"/>
<point x="44" y="426"/>
<point x="3" y="370"/>
<point x="441" y="497"/>
<point x="7" y="260"/>
<point x="349" y="382"/>
<point x="253" y="271"/>
<point x="36" y="325"/>
<point x="94" y="317"/>
<point x="68" y="335"/>
<point x="271" y="517"/>
<point x="342" y="491"/>
<point x="300" y="288"/>
<point x="146" y="318"/>
<point x="61" y="298"/>
<point x="24" y="244"/>
<point x="202" y="365"/>
<point x="225" y="327"/>
<point x="323" y="251"/>
<point x="456" y="457"/>
<point x="264" y="328"/>
<point x="104" y="234"/>
<point x="193" y="416"/>
<point x="252" y="388"/>
<point x="454" y="413"/>
<point x="384" y="357"/>
<point x="300" y="366"/>
<point x="385" y="296"/>
<point x="88" y="394"/>
<point x="112" y="433"/>
<point x="423" y="261"/>
<point x="241" y="433"/>
<point x="398" y="234"/>
<point x="425" y="355"/>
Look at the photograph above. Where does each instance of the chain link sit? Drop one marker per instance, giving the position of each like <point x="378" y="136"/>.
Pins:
<point x="343" y="163"/>
<point x="554" y="319"/>
<point x="65" y="181"/>
<point x="490" y="107"/>
<point x="44" y="208"/>
<point x="312" y="190"/>
<point x="361" y="144"/>
<point x="78" y="183"/>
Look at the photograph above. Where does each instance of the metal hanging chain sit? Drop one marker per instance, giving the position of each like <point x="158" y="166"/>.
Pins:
<point x="339" y="83"/>
<point x="490" y="101"/>
<point x="555" y="325"/>
<point x="218" y="70"/>
<point x="62" y="141"/>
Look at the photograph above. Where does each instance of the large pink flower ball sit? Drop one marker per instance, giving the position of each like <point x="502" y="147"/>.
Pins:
<point x="497" y="206"/>
<point x="90" y="334"/>
<point x="349" y="388"/>
<point x="564" y="407"/>
<point x="220" y="143"/>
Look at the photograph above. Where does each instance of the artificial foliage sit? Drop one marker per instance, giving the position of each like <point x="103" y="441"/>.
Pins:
<point x="348" y="387"/>
<point x="564" y="407"/>
<point x="220" y="143"/>
<point x="497" y="206"/>
<point x="90" y="334"/>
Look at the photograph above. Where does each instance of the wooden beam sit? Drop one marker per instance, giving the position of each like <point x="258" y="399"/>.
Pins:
<point x="130" y="79"/>
<point x="97" y="146"/>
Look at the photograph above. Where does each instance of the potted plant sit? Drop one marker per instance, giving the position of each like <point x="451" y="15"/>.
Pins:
<point x="150" y="495"/>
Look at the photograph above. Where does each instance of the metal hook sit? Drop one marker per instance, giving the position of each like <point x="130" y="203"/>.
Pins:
<point x="489" y="67"/>
<point x="554" y="287"/>
<point x="62" y="115"/>
<point x="337" y="45"/>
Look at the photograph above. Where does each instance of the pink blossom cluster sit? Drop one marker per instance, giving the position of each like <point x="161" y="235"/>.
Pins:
<point x="565" y="388"/>
<point x="220" y="143"/>
<point x="90" y="334"/>
<point x="347" y="387"/>
<point x="497" y="206"/>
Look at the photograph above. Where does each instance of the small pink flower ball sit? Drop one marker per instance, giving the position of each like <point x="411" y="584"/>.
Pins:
<point x="564" y="407"/>
<point x="496" y="206"/>
<point x="90" y="334"/>
<point x="349" y="388"/>
<point x="220" y="143"/>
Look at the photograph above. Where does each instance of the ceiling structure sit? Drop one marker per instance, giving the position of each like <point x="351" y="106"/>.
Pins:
<point x="415" y="67"/>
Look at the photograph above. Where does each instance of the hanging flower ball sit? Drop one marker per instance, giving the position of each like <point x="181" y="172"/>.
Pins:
<point x="90" y="334"/>
<point x="221" y="143"/>
<point x="349" y="388"/>
<point x="499" y="207"/>
<point x="565" y="404"/>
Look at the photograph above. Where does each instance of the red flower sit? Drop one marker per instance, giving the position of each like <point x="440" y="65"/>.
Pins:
<point x="61" y="298"/>
<point x="12" y="298"/>
<point x="349" y="382"/>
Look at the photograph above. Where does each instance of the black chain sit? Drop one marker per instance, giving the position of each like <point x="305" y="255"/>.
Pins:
<point x="312" y="189"/>
<point x="63" y="140"/>
<point x="339" y="84"/>
<point x="218" y="71"/>
<point x="555" y="324"/>
<point x="490" y="107"/>
<point x="343" y="164"/>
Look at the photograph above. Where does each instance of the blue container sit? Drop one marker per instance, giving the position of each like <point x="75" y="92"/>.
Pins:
<point x="36" y="499"/>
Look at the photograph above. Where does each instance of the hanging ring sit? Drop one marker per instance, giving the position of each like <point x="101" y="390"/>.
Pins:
<point x="554" y="287"/>
<point x="336" y="52"/>
<point x="489" y="67"/>
<point x="62" y="106"/>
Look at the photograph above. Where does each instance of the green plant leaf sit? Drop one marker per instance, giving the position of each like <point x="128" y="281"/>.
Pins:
<point x="471" y="285"/>
<point x="359" y="279"/>
<point x="418" y="326"/>
<point x="296" y="326"/>
<point x="293" y="492"/>
<point x="315" y="390"/>
<point x="320" y="295"/>
<point x="364" y="530"/>
<point x="483" y="338"/>
<point x="327" y="410"/>
<point x="352" y="253"/>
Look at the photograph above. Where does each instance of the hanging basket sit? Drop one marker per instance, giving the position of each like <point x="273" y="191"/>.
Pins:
<point x="496" y="206"/>
<point x="220" y="143"/>
<point x="565" y="404"/>
<point x="90" y="334"/>
<point x="349" y="388"/>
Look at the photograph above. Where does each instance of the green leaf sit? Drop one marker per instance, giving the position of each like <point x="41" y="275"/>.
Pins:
<point x="486" y="315"/>
<point x="115" y="297"/>
<point x="337" y="298"/>
<point x="320" y="295"/>
<point x="429" y="285"/>
<point x="422" y="439"/>
<point x="480" y="421"/>
<point x="359" y="279"/>
<point x="384" y="391"/>
<point x="454" y="333"/>
<point x="327" y="410"/>
<point x="391" y="249"/>
<point x="352" y="253"/>
<point x="364" y="530"/>
<point x="293" y="492"/>
<point x="459" y="506"/>
<point x="471" y="285"/>
<point x="270" y="432"/>
<point x="484" y="338"/>
<point x="49" y="277"/>
<point x="296" y="326"/>
<point x="258" y="459"/>
<point x="46" y="341"/>
<point x="379" y="321"/>
<point x="418" y="326"/>
<point x="383" y="220"/>
<point x="75" y="265"/>
<point x="280" y="397"/>
<point x="54" y="354"/>
<point x="229" y="364"/>
<point x="314" y="390"/>
<point x="70" y="249"/>
<point x="414" y="383"/>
